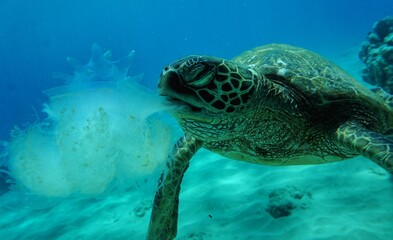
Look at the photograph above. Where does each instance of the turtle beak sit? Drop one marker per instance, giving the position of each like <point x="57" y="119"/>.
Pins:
<point x="171" y="86"/>
<point x="168" y="80"/>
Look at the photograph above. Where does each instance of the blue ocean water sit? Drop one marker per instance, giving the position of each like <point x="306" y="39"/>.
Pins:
<point x="37" y="36"/>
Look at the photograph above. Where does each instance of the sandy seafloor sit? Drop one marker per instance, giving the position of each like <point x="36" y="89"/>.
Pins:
<point x="225" y="199"/>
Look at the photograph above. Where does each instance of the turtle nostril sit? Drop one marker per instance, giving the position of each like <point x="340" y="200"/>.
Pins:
<point x="164" y="71"/>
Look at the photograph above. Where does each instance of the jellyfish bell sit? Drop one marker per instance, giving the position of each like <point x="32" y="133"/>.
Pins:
<point x="97" y="136"/>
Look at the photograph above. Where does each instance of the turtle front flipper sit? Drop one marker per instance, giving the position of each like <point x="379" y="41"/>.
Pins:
<point x="163" y="221"/>
<point x="372" y="145"/>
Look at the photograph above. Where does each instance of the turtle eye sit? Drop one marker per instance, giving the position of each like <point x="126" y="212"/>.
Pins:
<point x="199" y="74"/>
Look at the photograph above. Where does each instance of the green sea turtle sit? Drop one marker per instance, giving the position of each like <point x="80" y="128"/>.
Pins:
<point x="275" y="105"/>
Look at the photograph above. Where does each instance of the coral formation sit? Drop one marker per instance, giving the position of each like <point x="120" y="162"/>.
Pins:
<point x="283" y="201"/>
<point x="377" y="54"/>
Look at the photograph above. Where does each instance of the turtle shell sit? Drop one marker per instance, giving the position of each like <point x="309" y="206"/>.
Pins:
<point x="320" y="81"/>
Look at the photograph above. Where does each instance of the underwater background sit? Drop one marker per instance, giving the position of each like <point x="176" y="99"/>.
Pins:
<point x="83" y="134"/>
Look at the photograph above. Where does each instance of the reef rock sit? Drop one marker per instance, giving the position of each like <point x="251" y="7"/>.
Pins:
<point x="283" y="201"/>
<point x="377" y="54"/>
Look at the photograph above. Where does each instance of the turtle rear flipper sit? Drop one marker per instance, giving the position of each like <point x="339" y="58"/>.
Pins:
<point x="163" y="221"/>
<point x="372" y="145"/>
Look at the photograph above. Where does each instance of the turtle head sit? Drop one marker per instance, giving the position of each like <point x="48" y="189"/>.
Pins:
<point x="210" y="89"/>
<point x="208" y="84"/>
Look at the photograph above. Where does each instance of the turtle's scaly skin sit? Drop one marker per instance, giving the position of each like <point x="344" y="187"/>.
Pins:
<point x="163" y="223"/>
<point x="377" y="147"/>
<point x="275" y="105"/>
